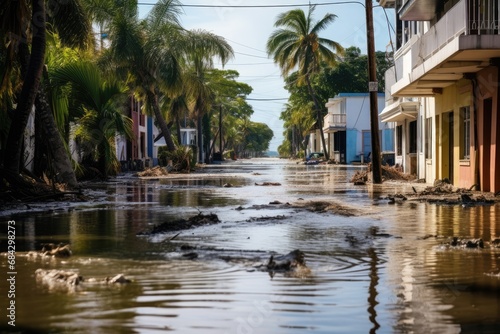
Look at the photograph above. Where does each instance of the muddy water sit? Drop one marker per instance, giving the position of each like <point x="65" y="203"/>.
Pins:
<point x="369" y="273"/>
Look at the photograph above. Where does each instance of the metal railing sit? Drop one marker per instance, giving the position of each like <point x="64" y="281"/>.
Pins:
<point x="469" y="17"/>
<point x="483" y="17"/>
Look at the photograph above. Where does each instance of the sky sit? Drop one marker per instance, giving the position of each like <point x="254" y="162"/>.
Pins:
<point x="247" y="30"/>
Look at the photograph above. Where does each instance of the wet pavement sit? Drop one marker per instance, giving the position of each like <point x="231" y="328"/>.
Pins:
<point x="387" y="268"/>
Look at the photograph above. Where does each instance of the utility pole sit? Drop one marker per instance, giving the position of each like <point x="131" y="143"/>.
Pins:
<point x="220" y="133"/>
<point x="373" y="88"/>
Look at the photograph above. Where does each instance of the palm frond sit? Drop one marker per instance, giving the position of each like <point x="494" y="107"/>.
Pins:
<point x="323" y="23"/>
<point x="164" y="12"/>
<point x="71" y="21"/>
<point x="85" y="80"/>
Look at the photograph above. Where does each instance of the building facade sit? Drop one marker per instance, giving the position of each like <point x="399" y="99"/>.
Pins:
<point x="347" y="129"/>
<point x="140" y="151"/>
<point x="443" y="90"/>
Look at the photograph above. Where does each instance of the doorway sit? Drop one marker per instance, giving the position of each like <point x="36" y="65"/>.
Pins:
<point x="367" y="144"/>
<point x="451" y="147"/>
<point x="486" y="154"/>
<point x="447" y="146"/>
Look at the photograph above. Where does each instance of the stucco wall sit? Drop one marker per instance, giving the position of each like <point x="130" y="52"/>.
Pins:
<point x="488" y="124"/>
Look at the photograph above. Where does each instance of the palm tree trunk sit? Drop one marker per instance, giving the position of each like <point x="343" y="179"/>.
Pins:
<point x="62" y="163"/>
<point x="28" y="92"/>
<point x="160" y="120"/>
<point x="178" y="130"/>
<point x="199" y="130"/>
<point x="319" y="117"/>
<point x="206" y="136"/>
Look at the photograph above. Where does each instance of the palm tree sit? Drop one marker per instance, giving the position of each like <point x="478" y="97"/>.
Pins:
<point x="101" y="102"/>
<point x="200" y="48"/>
<point x="177" y="108"/>
<point x="144" y="53"/>
<point x="69" y="20"/>
<point x="32" y="77"/>
<point x="298" y="120"/>
<point x="296" y="45"/>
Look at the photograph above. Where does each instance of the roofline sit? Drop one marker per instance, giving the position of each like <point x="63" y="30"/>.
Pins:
<point x="357" y="94"/>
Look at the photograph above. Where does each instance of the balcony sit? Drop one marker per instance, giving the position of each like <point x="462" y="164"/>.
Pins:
<point x="334" y="122"/>
<point x="418" y="10"/>
<point x="463" y="41"/>
<point x="387" y="3"/>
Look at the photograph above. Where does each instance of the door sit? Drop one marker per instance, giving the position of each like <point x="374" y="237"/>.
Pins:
<point x="367" y="145"/>
<point x="446" y="141"/>
<point x="451" y="146"/>
<point x="486" y="159"/>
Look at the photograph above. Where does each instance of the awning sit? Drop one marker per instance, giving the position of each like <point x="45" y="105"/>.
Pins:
<point x="399" y="111"/>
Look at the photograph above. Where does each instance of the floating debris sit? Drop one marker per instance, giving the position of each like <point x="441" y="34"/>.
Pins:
<point x="70" y="281"/>
<point x="184" y="224"/>
<point x="153" y="172"/>
<point x="268" y="184"/>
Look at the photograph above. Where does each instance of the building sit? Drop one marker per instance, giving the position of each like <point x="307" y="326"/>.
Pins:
<point x="140" y="151"/>
<point x="443" y="90"/>
<point x="347" y="129"/>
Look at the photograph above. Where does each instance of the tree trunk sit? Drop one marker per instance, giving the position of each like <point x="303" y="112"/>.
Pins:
<point x="178" y="130"/>
<point x="160" y="120"/>
<point x="28" y="92"/>
<point x="199" y="130"/>
<point x="61" y="161"/>
<point x="319" y="117"/>
<point x="206" y="136"/>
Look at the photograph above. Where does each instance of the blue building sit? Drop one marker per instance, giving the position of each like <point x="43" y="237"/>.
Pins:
<point x="347" y="129"/>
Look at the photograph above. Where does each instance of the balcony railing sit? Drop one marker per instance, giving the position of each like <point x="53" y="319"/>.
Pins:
<point x="483" y="17"/>
<point x="335" y="121"/>
<point x="469" y="17"/>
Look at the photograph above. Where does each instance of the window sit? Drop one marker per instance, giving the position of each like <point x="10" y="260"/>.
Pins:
<point x="465" y="133"/>
<point x="413" y="137"/>
<point x="428" y="138"/>
<point x="399" y="140"/>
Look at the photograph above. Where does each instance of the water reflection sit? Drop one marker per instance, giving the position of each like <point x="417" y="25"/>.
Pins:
<point x="372" y="290"/>
<point x="395" y="281"/>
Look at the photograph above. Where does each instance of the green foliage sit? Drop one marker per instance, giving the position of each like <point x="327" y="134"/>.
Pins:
<point x="257" y="137"/>
<point x="296" y="45"/>
<point x="350" y="75"/>
<point x="100" y="102"/>
<point x="181" y="157"/>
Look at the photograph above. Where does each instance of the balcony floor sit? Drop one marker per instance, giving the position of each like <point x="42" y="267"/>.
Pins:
<point x="464" y="54"/>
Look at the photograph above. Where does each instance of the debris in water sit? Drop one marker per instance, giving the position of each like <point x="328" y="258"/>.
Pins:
<point x="184" y="224"/>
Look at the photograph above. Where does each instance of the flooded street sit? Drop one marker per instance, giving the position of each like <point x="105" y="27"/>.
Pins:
<point x="381" y="270"/>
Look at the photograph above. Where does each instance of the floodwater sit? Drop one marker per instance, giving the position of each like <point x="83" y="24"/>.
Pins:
<point x="391" y="281"/>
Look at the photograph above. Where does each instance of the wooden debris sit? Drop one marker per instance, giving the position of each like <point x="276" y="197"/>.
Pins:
<point x="268" y="184"/>
<point x="51" y="250"/>
<point x="388" y="173"/>
<point x="184" y="224"/>
<point x="153" y="172"/>
<point x="71" y="281"/>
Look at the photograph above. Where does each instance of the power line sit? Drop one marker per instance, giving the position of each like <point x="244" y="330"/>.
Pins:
<point x="260" y="6"/>
<point x="246" y="64"/>
<point x="249" y="55"/>
<point x="246" y="46"/>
